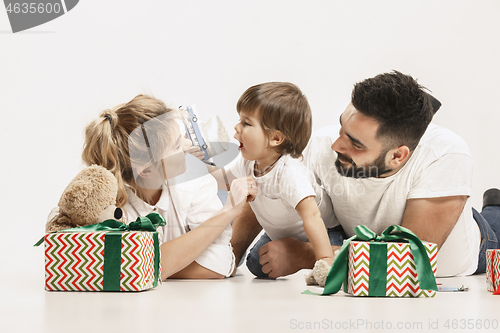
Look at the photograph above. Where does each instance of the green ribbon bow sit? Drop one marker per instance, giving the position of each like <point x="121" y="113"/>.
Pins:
<point x="378" y="259"/>
<point x="143" y="223"/>
<point x="112" y="245"/>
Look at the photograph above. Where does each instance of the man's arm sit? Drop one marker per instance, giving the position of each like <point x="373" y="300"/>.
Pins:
<point x="433" y="219"/>
<point x="287" y="256"/>
<point x="430" y="219"/>
<point x="245" y="229"/>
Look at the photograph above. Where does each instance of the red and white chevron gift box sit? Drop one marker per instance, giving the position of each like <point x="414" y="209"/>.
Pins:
<point x="401" y="278"/>
<point x="102" y="261"/>
<point x="493" y="271"/>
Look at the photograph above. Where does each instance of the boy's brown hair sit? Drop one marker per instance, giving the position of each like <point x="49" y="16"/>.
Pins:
<point x="280" y="106"/>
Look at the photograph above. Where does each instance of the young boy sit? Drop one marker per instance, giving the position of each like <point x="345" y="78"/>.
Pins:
<point x="275" y="127"/>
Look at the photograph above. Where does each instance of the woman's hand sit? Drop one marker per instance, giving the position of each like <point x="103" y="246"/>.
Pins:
<point x="242" y="190"/>
<point x="196" y="152"/>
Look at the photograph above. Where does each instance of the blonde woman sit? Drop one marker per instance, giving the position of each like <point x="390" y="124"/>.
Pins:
<point x="143" y="144"/>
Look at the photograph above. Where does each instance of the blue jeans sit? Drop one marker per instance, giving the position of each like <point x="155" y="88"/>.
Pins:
<point x="336" y="236"/>
<point x="489" y="226"/>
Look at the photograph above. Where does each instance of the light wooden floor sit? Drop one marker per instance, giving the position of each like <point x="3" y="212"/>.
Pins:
<point x="239" y="304"/>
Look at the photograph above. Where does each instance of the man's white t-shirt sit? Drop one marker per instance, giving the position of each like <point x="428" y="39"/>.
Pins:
<point x="440" y="166"/>
<point x="279" y="192"/>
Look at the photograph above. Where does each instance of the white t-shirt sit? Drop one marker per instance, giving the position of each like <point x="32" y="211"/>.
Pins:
<point x="185" y="206"/>
<point x="280" y="191"/>
<point x="440" y="166"/>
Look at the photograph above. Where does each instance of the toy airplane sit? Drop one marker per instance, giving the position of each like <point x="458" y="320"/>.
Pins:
<point x="211" y="149"/>
<point x="193" y="130"/>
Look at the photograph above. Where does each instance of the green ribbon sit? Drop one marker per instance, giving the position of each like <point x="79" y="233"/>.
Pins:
<point x="143" y="223"/>
<point x="378" y="260"/>
<point x="112" y="245"/>
<point x="112" y="261"/>
<point x="377" y="279"/>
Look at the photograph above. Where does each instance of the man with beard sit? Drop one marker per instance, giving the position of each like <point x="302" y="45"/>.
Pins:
<point x="390" y="165"/>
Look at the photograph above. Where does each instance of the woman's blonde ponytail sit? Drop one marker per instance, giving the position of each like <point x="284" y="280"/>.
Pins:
<point x="107" y="139"/>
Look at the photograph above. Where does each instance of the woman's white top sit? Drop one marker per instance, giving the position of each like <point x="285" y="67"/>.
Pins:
<point x="186" y="206"/>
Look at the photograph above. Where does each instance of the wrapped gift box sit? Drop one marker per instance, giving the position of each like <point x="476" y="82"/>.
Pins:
<point x="386" y="269"/>
<point x="493" y="271"/>
<point x="395" y="263"/>
<point x="102" y="261"/>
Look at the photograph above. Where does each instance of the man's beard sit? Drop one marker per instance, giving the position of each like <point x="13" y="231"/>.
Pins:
<point x="375" y="169"/>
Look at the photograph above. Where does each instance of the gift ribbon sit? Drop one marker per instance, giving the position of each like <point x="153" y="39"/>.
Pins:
<point x="378" y="260"/>
<point x="112" y="245"/>
<point x="495" y="260"/>
<point x="143" y="223"/>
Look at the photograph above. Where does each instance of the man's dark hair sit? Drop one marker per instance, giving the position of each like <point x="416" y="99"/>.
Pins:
<point x="400" y="105"/>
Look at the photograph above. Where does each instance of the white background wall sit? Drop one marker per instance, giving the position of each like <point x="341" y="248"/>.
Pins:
<point x="57" y="77"/>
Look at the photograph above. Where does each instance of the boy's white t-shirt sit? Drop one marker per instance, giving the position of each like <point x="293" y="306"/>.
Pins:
<point x="440" y="166"/>
<point x="279" y="192"/>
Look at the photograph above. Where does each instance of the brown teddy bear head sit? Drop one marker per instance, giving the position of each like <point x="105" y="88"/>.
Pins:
<point x="89" y="196"/>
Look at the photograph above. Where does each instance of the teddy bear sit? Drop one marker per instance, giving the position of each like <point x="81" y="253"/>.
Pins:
<point x="318" y="274"/>
<point x="89" y="198"/>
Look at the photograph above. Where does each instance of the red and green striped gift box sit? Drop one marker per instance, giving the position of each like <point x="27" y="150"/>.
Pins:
<point x="386" y="269"/>
<point x="106" y="256"/>
<point x="493" y="271"/>
<point x="393" y="264"/>
<point x="101" y="261"/>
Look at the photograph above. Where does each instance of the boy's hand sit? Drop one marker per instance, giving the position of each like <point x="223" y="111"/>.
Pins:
<point x="242" y="190"/>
